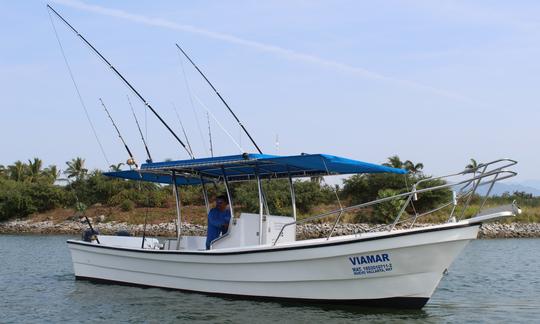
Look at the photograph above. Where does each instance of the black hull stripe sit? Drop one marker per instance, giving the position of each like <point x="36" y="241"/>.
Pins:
<point x="279" y="249"/>
<point x="391" y="302"/>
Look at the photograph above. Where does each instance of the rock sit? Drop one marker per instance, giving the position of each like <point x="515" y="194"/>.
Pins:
<point x="74" y="225"/>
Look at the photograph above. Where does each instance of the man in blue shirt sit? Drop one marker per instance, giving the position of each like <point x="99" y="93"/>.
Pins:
<point x="218" y="220"/>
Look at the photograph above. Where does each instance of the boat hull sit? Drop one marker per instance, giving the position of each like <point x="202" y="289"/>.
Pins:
<point x="401" y="269"/>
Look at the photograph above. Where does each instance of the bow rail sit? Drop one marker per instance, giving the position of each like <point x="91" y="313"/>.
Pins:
<point x="463" y="190"/>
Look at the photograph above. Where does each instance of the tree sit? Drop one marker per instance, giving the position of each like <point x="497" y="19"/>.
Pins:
<point x="522" y="194"/>
<point x="412" y="167"/>
<point x="116" y="167"/>
<point x="3" y="171"/>
<point x="17" y="171"/>
<point x="50" y="174"/>
<point x="76" y="169"/>
<point x="472" y="166"/>
<point x="368" y="187"/>
<point x="387" y="211"/>
<point x="317" y="179"/>
<point x="355" y="188"/>
<point x="395" y="162"/>
<point x="34" y="169"/>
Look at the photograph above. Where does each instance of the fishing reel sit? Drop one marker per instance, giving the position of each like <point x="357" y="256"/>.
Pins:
<point x="131" y="162"/>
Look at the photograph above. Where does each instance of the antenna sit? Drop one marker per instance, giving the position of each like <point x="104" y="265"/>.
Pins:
<point x="126" y="82"/>
<point x="221" y="98"/>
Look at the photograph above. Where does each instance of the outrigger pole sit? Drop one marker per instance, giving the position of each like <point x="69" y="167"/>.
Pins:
<point x="131" y="158"/>
<point x="122" y="78"/>
<point x="149" y="160"/>
<point x="221" y="98"/>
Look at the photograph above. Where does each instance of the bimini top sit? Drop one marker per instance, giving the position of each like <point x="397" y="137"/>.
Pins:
<point x="249" y="166"/>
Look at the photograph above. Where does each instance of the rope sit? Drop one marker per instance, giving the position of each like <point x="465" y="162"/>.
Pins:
<point x="77" y="90"/>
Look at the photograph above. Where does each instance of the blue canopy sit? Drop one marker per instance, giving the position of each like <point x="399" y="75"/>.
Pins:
<point x="248" y="166"/>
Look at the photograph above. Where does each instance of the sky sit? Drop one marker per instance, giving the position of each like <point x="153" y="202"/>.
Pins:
<point x="437" y="82"/>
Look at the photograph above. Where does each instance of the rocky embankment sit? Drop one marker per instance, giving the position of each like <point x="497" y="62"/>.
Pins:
<point x="305" y="231"/>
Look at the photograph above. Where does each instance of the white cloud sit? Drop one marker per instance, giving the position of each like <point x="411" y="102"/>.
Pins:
<point x="281" y="51"/>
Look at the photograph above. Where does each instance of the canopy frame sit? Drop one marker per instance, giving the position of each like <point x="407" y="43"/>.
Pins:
<point x="250" y="167"/>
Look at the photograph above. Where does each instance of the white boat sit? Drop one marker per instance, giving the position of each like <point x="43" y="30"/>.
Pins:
<point x="398" y="265"/>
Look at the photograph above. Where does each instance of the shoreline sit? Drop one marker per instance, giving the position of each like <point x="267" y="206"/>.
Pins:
<point x="305" y="231"/>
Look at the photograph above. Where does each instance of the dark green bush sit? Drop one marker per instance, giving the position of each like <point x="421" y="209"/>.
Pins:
<point x="154" y="198"/>
<point x="386" y="212"/>
<point x="27" y="187"/>
<point x="127" y="205"/>
<point x="277" y="192"/>
<point x="363" y="188"/>
<point x="20" y="199"/>
<point x="13" y="202"/>
<point x="45" y="196"/>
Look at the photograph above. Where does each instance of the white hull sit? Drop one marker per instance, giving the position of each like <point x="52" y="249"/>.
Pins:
<point x="401" y="268"/>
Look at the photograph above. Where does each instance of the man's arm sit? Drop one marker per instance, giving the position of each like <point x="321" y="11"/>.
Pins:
<point x="226" y="220"/>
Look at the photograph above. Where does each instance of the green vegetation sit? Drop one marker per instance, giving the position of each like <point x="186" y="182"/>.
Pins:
<point x="367" y="187"/>
<point x="28" y="188"/>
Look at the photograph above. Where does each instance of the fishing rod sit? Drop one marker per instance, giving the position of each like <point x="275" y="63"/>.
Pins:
<point x="126" y="82"/>
<point x="149" y="160"/>
<point x="221" y="98"/>
<point x="242" y="151"/>
<point x="182" y="127"/>
<point x="131" y="160"/>
<point x="210" y="134"/>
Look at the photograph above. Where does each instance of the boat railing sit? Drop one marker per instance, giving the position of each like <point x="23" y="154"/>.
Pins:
<point x="462" y="190"/>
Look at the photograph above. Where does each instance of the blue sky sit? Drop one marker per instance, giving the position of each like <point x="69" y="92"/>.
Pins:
<point x="436" y="82"/>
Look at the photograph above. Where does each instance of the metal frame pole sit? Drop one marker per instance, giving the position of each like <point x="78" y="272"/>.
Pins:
<point x="226" y="182"/>
<point x="261" y="207"/>
<point x="473" y="191"/>
<point x="205" y="195"/>
<point x="178" y="211"/>
<point x="488" y="192"/>
<point x="454" y="204"/>
<point x="293" y="196"/>
<point x="265" y="199"/>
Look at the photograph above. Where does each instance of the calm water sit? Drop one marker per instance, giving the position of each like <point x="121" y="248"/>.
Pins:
<point x="491" y="281"/>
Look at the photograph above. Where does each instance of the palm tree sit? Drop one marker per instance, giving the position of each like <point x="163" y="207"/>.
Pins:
<point x="34" y="169"/>
<point x="51" y="173"/>
<point x="116" y="167"/>
<point x="412" y="167"/>
<point x="76" y="169"/>
<point x="3" y="171"/>
<point x="17" y="171"/>
<point x="472" y="166"/>
<point x="395" y="162"/>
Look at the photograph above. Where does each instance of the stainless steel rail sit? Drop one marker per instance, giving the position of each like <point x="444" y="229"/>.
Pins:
<point x="490" y="173"/>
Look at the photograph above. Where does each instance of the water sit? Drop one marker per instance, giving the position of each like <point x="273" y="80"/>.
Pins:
<point x="491" y="281"/>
